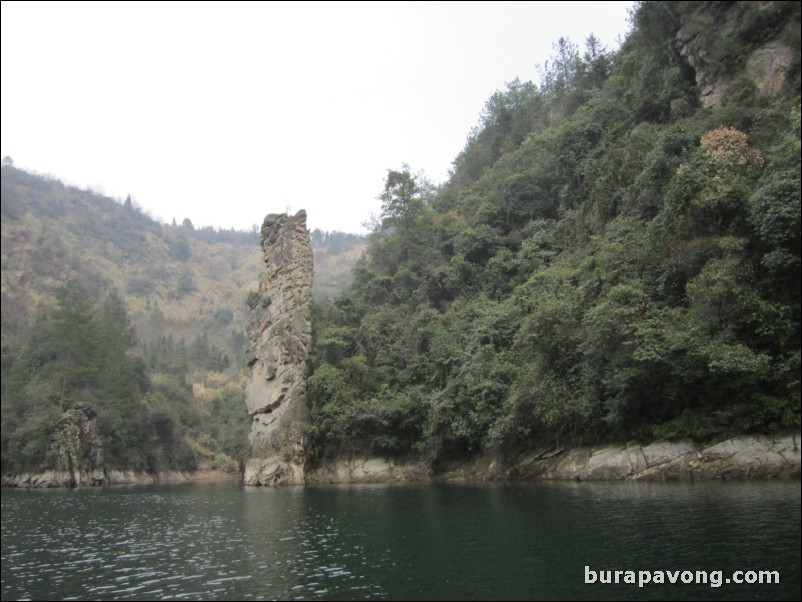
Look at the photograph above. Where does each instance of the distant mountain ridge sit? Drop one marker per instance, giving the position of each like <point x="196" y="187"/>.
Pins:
<point x="175" y="278"/>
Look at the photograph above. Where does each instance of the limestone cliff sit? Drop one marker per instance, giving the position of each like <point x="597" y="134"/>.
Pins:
<point x="280" y="333"/>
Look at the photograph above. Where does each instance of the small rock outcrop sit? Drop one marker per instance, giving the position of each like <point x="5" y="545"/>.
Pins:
<point x="281" y="336"/>
<point x="766" y="65"/>
<point x="80" y="448"/>
<point x="78" y="458"/>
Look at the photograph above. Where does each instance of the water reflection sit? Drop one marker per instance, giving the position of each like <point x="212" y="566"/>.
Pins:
<point x="305" y="550"/>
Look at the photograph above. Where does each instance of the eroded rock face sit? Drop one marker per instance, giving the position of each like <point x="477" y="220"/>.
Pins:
<point x="766" y="66"/>
<point x="80" y="450"/>
<point x="281" y="335"/>
<point x="79" y="458"/>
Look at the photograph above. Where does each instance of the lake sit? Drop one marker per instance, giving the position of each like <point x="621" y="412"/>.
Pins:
<point x="221" y="541"/>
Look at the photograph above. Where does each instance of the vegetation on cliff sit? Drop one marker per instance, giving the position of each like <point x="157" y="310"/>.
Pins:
<point x="610" y="259"/>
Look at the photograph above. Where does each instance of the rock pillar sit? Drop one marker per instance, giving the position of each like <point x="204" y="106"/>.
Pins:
<point x="280" y="339"/>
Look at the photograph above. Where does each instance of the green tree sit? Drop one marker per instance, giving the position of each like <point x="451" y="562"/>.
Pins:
<point x="78" y="353"/>
<point x="74" y="340"/>
<point x="403" y="198"/>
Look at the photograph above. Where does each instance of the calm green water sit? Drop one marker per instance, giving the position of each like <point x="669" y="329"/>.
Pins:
<point x="524" y="541"/>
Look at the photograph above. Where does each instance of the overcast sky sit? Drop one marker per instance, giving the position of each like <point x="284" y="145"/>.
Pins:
<point x="224" y="112"/>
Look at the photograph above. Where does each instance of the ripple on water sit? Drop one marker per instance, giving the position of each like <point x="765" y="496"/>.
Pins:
<point x="207" y="542"/>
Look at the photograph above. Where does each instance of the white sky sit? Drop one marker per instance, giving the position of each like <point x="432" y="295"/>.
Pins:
<point x="224" y="112"/>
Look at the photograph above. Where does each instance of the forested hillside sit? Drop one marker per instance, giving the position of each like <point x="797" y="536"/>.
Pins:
<point x="144" y="321"/>
<point x="616" y="255"/>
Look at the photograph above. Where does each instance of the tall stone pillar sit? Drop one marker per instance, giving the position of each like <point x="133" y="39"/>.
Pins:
<point x="280" y="339"/>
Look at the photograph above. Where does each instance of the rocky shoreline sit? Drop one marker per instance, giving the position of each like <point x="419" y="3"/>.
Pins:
<point x="749" y="457"/>
<point x="53" y="479"/>
<point x="738" y="458"/>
